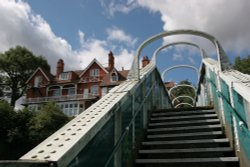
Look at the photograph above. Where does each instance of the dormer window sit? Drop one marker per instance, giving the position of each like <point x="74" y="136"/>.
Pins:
<point x="38" y="81"/>
<point x="64" y="76"/>
<point x="94" y="72"/>
<point x="114" y="77"/>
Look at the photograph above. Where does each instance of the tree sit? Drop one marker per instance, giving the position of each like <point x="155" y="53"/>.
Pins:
<point x="46" y="122"/>
<point x="18" y="64"/>
<point x="21" y="131"/>
<point x="242" y="65"/>
<point x="1" y="86"/>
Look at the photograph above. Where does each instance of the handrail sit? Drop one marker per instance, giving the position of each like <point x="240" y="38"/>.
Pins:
<point x="228" y="102"/>
<point x="59" y="98"/>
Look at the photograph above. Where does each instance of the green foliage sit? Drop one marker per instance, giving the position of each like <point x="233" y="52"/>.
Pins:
<point x="18" y="64"/>
<point x="47" y="121"/>
<point x="242" y="64"/>
<point x="21" y="131"/>
<point x="1" y="86"/>
<point x="7" y="115"/>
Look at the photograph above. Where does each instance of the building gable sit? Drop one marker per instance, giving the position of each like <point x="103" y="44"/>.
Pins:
<point x="38" y="73"/>
<point x="93" y="65"/>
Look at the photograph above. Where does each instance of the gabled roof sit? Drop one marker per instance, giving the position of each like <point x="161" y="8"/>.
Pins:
<point x="90" y="64"/>
<point x="47" y="75"/>
<point x="122" y="75"/>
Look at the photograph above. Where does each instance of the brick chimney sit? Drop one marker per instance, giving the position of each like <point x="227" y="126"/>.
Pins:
<point x="145" y="61"/>
<point x="111" y="61"/>
<point x="59" y="68"/>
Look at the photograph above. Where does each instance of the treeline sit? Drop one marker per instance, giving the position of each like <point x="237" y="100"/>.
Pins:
<point x="22" y="130"/>
<point x="242" y="64"/>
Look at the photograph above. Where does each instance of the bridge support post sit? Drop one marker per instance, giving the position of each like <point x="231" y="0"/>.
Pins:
<point x="247" y="110"/>
<point x="133" y="123"/>
<point x="118" y="132"/>
<point x="221" y="107"/>
<point x="235" y="130"/>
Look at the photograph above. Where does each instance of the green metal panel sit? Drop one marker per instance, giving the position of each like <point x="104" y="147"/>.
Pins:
<point x="238" y="104"/>
<point x="99" y="147"/>
<point x="225" y="90"/>
<point x="244" y="138"/>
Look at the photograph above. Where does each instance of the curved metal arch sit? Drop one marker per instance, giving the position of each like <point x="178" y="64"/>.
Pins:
<point x="183" y="97"/>
<point x="180" y="66"/>
<point x="224" y="64"/>
<point x="182" y="104"/>
<point x="155" y="54"/>
<point x="182" y="85"/>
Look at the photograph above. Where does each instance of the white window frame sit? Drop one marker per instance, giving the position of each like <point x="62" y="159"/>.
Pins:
<point x="95" y="72"/>
<point x="56" y="92"/>
<point x="94" y="90"/>
<point x="114" y="76"/>
<point x="104" y="91"/>
<point x="38" y="81"/>
<point x="64" y="76"/>
<point x="72" y="91"/>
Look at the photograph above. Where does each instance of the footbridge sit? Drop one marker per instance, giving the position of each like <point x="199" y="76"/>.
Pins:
<point x="139" y="123"/>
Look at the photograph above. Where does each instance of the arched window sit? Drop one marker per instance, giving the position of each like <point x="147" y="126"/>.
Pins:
<point x="114" y="76"/>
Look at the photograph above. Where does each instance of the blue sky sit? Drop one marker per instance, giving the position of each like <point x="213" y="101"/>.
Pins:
<point x="80" y="30"/>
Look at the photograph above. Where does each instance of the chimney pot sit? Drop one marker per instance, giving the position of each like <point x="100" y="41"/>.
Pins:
<point x="59" y="68"/>
<point x="111" y="61"/>
<point x="145" y="61"/>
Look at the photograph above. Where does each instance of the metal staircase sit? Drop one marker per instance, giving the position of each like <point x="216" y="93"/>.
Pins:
<point x="185" y="139"/>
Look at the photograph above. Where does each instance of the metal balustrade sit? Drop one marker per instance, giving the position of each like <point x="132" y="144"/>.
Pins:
<point x="59" y="98"/>
<point x="229" y="92"/>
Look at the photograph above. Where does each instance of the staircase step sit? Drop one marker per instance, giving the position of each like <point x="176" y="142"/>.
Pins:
<point x="188" y="117"/>
<point x="198" y="112"/>
<point x="187" y="153"/>
<point x="203" y="143"/>
<point x="200" y="135"/>
<point x="186" y="129"/>
<point x="190" y="162"/>
<point x="185" y="138"/>
<point x="186" y="123"/>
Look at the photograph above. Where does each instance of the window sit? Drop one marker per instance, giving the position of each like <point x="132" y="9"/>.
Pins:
<point x="114" y="77"/>
<point x="94" y="72"/>
<point x="94" y="89"/>
<point x="38" y="81"/>
<point x="104" y="91"/>
<point x="71" y="109"/>
<point x="71" y="91"/>
<point x="56" y="92"/>
<point x="65" y="76"/>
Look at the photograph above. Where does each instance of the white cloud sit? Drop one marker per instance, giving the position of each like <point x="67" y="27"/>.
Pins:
<point x="20" y="26"/>
<point x="191" y="60"/>
<point x="227" y="20"/>
<point x="113" y="6"/>
<point x="177" y="57"/>
<point x="81" y="37"/>
<point x="116" y="34"/>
